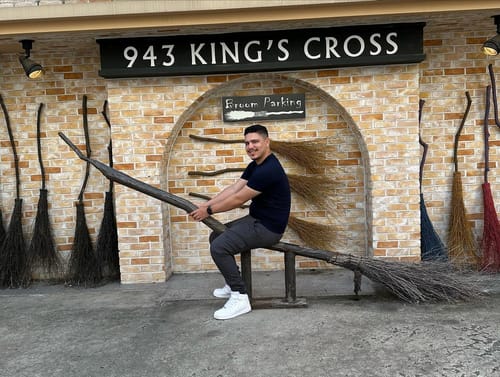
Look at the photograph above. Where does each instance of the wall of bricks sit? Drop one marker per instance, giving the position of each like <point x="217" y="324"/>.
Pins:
<point x="368" y="117"/>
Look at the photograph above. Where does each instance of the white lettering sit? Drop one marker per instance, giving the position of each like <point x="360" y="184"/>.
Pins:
<point x="227" y="51"/>
<point x="306" y="48"/>
<point x="150" y="55"/>
<point x="374" y="42"/>
<point x="331" y="43"/>
<point x="212" y="52"/>
<point x="392" y="43"/>
<point x="283" y="49"/>
<point x="361" y="46"/>
<point x="247" y="55"/>
<point x="169" y="55"/>
<point x="229" y="104"/>
<point x="195" y="54"/>
<point x="282" y="102"/>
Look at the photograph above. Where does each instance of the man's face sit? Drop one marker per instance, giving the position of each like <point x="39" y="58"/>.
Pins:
<point x="257" y="146"/>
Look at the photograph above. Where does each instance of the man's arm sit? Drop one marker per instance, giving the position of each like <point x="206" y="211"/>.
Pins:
<point x="233" y="196"/>
<point x="228" y="191"/>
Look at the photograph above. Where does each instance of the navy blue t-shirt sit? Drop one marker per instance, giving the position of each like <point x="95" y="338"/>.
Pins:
<point x="272" y="205"/>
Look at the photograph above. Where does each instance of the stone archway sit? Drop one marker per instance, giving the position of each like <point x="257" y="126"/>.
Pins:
<point x="326" y="119"/>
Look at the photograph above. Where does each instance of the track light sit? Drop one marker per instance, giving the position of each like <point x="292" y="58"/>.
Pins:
<point x="492" y="46"/>
<point x="32" y="69"/>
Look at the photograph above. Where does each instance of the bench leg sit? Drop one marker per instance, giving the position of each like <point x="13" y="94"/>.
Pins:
<point x="246" y="270"/>
<point x="290" y="281"/>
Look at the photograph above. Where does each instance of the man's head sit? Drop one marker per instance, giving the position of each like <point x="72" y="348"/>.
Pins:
<point x="257" y="128"/>
<point x="257" y="143"/>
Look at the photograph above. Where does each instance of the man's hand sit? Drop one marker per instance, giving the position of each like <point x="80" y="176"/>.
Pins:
<point x="200" y="213"/>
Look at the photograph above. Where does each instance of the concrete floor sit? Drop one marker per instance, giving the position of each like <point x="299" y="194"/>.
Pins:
<point x="167" y="329"/>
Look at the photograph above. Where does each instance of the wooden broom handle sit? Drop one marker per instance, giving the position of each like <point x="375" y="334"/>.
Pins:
<point x="494" y="93"/>
<point x="486" y="134"/>
<point x="459" y="131"/>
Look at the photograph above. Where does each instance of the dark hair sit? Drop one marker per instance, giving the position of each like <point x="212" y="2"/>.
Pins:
<point x="258" y="129"/>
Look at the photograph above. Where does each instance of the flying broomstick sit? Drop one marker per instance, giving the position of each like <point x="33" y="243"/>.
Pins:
<point x="411" y="282"/>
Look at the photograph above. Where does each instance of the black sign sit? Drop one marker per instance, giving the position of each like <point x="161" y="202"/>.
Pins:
<point x="262" y="51"/>
<point x="284" y="106"/>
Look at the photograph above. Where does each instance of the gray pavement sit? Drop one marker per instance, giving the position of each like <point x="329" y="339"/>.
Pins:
<point x="167" y="329"/>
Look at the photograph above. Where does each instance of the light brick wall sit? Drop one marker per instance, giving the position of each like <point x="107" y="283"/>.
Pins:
<point x="369" y="114"/>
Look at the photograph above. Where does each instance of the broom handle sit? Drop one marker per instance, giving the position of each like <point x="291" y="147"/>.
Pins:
<point x="494" y="92"/>
<point x="39" y="143"/>
<point x="341" y="259"/>
<point x="87" y="147"/>
<point x="422" y="143"/>
<point x="459" y="131"/>
<point x="110" y="145"/>
<point x="486" y="134"/>
<point x="215" y="140"/>
<point x="12" y="143"/>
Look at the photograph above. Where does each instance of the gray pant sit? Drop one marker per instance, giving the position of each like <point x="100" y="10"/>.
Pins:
<point x="242" y="234"/>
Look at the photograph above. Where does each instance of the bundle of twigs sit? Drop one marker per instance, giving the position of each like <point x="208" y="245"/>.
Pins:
<point x="462" y="248"/>
<point x="84" y="268"/>
<point x="491" y="230"/>
<point x="14" y="268"/>
<point x="309" y="153"/>
<point x="432" y="247"/>
<point x="426" y="282"/>
<point x="314" y="234"/>
<point x="316" y="189"/>
<point x="107" y="252"/>
<point x="42" y="251"/>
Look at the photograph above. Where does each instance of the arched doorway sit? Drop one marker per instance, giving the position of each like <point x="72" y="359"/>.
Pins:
<point x="345" y="169"/>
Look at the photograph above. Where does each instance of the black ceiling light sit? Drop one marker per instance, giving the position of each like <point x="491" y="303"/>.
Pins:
<point x="33" y="70"/>
<point x="492" y="46"/>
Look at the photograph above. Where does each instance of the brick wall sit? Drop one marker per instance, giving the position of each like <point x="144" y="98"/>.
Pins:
<point x="368" y="115"/>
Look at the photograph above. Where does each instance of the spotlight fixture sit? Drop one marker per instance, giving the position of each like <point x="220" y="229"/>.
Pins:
<point x="32" y="69"/>
<point x="492" y="46"/>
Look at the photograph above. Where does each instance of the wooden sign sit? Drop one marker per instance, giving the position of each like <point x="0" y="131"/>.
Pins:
<point x="262" y="51"/>
<point x="282" y="106"/>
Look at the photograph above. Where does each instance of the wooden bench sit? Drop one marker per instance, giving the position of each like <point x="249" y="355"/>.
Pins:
<point x="290" y="300"/>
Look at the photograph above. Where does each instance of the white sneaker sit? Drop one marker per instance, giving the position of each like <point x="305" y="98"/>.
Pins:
<point x="237" y="304"/>
<point x="224" y="292"/>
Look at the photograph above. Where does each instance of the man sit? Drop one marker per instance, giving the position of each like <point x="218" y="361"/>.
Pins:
<point x="265" y="183"/>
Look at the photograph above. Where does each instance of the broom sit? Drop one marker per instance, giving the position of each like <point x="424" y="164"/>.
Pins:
<point x="491" y="231"/>
<point x="107" y="252"/>
<point x="83" y="268"/>
<point x="461" y="245"/>
<point x="431" y="245"/>
<point x="309" y="154"/>
<point x="426" y="282"/>
<point x="14" y="269"/>
<point x="42" y="252"/>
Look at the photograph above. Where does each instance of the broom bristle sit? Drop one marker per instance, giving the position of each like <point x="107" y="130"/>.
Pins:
<point x="431" y="245"/>
<point x="14" y="268"/>
<point x="315" y="189"/>
<point x="107" y="241"/>
<point x="42" y="251"/>
<point x="309" y="154"/>
<point x="416" y="282"/>
<point x="83" y="265"/>
<point x="462" y="248"/>
<point x="491" y="233"/>
<point x="313" y="234"/>
<point x="2" y="229"/>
